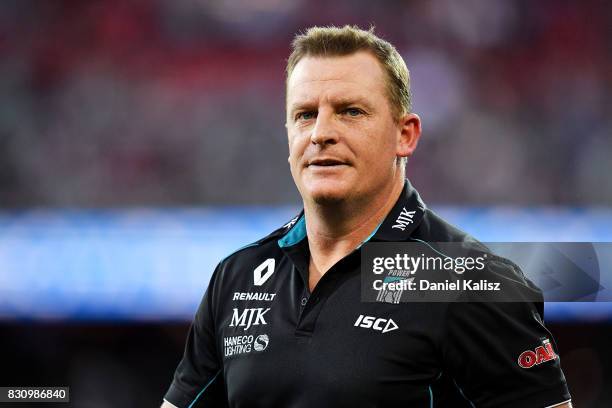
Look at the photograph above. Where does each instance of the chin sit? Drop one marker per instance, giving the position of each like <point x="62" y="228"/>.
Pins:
<point x="329" y="193"/>
<point x="327" y="199"/>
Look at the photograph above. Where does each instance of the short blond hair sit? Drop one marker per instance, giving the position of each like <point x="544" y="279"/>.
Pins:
<point x="340" y="41"/>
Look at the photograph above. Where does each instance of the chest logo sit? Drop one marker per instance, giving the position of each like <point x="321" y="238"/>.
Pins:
<point x="376" y="323"/>
<point x="249" y="317"/>
<point x="261" y="342"/>
<point x="259" y="276"/>
<point x="404" y="219"/>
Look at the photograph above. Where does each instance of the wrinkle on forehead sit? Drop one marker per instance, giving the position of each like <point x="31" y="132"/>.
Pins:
<point x="309" y="85"/>
<point x="329" y="77"/>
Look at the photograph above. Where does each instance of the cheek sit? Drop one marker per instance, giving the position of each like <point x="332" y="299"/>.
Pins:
<point x="376" y="143"/>
<point x="296" y="150"/>
<point x="377" y="151"/>
<point x="297" y="144"/>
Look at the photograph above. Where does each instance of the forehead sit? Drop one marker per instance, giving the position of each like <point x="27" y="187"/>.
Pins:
<point x="359" y="75"/>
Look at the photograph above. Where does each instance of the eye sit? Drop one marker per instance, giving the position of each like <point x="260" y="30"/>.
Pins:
<point x="354" y="112"/>
<point x="307" y="115"/>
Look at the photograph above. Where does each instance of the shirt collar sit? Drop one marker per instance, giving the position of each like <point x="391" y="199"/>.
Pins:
<point x="399" y="224"/>
<point x="404" y="217"/>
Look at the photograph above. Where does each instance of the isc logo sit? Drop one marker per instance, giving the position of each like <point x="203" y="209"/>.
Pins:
<point x="376" y="323"/>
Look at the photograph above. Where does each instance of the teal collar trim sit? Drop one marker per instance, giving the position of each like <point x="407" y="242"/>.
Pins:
<point x="298" y="233"/>
<point x="371" y="235"/>
<point x="295" y="234"/>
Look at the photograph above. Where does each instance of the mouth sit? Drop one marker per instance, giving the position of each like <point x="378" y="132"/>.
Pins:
<point x="325" y="162"/>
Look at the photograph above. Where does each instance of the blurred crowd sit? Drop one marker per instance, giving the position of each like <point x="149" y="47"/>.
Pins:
<point x="151" y="102"/>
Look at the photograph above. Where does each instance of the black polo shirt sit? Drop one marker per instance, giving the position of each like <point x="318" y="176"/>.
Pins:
<point x="261" y="339"/>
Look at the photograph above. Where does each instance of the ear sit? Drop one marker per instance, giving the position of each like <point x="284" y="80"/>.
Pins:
<point x="410" y="132"/>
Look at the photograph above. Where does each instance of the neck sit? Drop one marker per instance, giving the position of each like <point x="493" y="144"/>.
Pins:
<point x="336" y="230"/>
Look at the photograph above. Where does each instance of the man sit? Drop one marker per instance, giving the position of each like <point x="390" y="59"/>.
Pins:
<point x="280" y="324"/>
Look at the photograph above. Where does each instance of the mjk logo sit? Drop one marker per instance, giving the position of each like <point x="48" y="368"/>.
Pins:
<point x="268" y="265"/>
<point x="245" y="319"/>
<point x="379" y="324"/>
<point x="541" y="354"/>
<point x="404" y="219"/>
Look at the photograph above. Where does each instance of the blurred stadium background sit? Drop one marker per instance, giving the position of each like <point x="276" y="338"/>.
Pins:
<point x="142" y="141"/>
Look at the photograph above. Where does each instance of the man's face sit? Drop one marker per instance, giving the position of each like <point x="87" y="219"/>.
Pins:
<point x="343" y="139"/>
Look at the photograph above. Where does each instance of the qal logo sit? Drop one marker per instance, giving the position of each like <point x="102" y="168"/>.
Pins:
<point x="404" y="219"/>
<point x="376" y="323"/>
<point x="541" y="354"/>
<point x="245" y="319"/>
<point x="259" y="278"/>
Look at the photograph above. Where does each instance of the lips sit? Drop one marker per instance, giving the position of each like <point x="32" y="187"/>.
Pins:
<point x="325" y="162"/>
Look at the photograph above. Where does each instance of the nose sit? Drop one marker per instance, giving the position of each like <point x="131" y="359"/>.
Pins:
<point x="324" y="131"/>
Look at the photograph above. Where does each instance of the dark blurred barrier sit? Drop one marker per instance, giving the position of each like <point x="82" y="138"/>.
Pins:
<point x="118" y="365"/>
<point x="111" y="365"/>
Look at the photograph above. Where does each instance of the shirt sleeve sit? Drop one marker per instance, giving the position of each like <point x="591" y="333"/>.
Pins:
<point x="500" y="354"/>
<point x="198" y="379"/>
